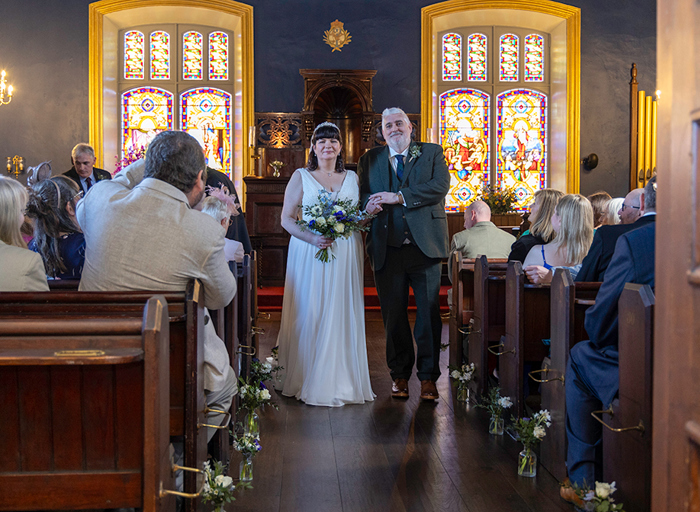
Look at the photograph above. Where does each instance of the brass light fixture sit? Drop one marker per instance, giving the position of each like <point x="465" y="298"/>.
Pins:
<point x="4" y="100"/>
<point x="15" y="165"/>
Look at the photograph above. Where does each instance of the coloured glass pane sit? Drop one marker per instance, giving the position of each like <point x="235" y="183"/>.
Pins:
<point x="192" y="60"/>
<point x="206" y="115"/>
<point x="521" y="132"/>
<point x="133" y="55"/>
<point x="218" y="56"/>
<point x="464" y="136"/>
<point x="508" y="58"/>
<point x="451" y="57"/>
<point x="534" y="58"/>
<point x="160" y="56"/>
<point x="476" y="57"/>
<point x="145" y="112"/>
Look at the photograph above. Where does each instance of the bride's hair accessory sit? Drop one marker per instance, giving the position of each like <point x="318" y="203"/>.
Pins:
<point x="326" y="123"/>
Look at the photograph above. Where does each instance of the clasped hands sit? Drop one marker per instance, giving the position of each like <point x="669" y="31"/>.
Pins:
<point x="374" y="205"/>
<point x="538" y="274"/>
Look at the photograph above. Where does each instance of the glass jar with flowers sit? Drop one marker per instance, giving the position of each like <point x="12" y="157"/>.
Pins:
<point x="599" y="499"/>
<point x="253" y="394"/>
<point x="463" y="376"/>
<point x="495" y="404"/>
<point x="218" y="487"/>
<point x="530" y="431"/>
<point x="248" y="445"/>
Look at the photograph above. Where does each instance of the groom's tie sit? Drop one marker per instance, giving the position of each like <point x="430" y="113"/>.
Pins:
<point x="399" y="166"/>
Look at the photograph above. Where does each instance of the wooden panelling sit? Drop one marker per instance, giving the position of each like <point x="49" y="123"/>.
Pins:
<point x="67" y="425"/>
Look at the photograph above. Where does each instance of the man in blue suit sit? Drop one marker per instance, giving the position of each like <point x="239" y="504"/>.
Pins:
<point x="592" y="375"/>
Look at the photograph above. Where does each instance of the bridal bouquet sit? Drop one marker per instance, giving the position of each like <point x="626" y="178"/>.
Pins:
<point x="333" y="219"/>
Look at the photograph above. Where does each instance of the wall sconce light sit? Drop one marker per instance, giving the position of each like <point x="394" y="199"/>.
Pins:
<point x="4" y="87"/>
<point x="15" y="165"/>
<point x="590" y="162"/>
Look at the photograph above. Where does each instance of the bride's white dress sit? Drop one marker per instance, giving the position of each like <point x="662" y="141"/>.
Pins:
<point x="322" y="344"/>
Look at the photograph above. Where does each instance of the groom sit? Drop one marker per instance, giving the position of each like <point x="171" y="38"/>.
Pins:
<point x="405" y="184"/>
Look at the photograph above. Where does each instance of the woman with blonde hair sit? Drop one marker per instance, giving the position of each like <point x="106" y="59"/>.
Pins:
<point x="541" y="231"/>
<point x="573" y="223"/>
<point x="21" y="269"/>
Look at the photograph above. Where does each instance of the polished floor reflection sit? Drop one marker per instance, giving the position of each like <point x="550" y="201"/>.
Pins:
<point x="388" y="455"/>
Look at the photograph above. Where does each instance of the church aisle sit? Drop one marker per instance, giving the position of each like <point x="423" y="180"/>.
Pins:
<point x="388" y="455"/>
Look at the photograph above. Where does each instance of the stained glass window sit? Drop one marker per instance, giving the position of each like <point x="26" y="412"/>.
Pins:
<point x="160" y="55"/>
<point x="508" y="58"/>
<point x="192" y="59"/>
<point x="534" y="58"/>
<point x="464" y="136"/>
<point x="521" y="131"/>
<point x="451" y="57"/>
<point x="476" y="57"/>
<point x="218" y="56"/>
<point x="133" y="55"/>
<point x="145" y="112"/>
<point x="206" y="115"/>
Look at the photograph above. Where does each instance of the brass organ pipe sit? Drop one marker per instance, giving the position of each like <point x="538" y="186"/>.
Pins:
<point x="640" y="136"/>
<point x="653" y="136"/>
<point x="647" y="139"/>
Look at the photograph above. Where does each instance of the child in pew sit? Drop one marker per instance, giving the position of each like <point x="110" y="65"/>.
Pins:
<point x="222" y="206"/>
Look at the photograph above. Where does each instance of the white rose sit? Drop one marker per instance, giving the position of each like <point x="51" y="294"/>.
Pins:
<point x="316" y="211"/>
<point x="267" y="367"/>
<point x="604" y="490"/>
<point x="265" y="394"/>
<point x="336" y="209"/>
<point x="539" y="432"/>
<point x="339" y="228"/>
<point x="226" y="482"/>
<point x="455" y="374"/>
<point x="321" y="221"/>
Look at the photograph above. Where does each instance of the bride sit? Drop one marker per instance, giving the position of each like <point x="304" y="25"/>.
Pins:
<point x="322" y="335"/>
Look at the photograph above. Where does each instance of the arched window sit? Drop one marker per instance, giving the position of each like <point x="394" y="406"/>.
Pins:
<point x="148" y="104"/>
<point x="451" y="57"/>
<point x="466" y="113"/>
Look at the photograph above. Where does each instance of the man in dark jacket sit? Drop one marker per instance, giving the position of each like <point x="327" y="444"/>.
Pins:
<point x="84" y="172"/>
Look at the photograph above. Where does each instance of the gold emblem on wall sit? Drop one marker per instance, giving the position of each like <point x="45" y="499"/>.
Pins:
<point x="337" y="36"/>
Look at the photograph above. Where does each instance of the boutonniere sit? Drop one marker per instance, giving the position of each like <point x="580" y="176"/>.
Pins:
<point x="414" y="152"/>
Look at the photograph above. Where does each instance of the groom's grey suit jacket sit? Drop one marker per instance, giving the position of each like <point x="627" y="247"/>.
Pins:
<point x="425" y="183"/>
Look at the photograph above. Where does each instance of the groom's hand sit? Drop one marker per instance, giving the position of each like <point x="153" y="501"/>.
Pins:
<point x="386" y="198"/>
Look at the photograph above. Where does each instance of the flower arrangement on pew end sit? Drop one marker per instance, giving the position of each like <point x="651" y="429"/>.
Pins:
<point x="333" y="219"/>
<point x="598" y="500"/>
<point x="530" y="431"/>
<point x="248" y="445"/>
<point x="463" y="375"/>
<point x="495" y="404"/>
<point x="218" y="488"/>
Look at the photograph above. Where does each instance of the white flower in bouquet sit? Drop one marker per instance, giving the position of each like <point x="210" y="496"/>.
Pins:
<point x="456" y="374"/>
<point x="339" y="228"/>
<point x="547" y="417"/>
<point x="321" y="221"/>
<point x="539" y="432"/>
<point x="265" y="394"/>
<point x="224" y="481"/>
<point x="316" y="211"/>
<point x="337" y="209"/>
<point x="505" y="402"/>
<point x="267" y="367"/>
<point x="603" y="490"/>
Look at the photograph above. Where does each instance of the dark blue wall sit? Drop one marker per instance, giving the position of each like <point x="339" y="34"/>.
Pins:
<point x="44" y="48"/>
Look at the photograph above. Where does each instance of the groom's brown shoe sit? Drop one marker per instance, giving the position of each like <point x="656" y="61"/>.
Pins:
<point x="399" y="388"/>
<point x="428" y="391"/>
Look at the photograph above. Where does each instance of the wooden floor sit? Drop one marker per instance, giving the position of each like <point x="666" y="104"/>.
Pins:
<point x="387" y="455"/>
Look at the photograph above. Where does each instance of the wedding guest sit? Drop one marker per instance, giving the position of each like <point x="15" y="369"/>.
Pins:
<point x="84" y="172"/>
<point x="614" y="206"/>
<point x="599" y="202"/>
<point x="480" y="236"/>
<point x="57" y="236"/>
<point x="572" y="222"/>
<point x="21" y="270"/>
<point x="541" y="231"/>
<point x="237" y="230"/>
<point x="631" y="208"/>
<point x="222" y="207"/>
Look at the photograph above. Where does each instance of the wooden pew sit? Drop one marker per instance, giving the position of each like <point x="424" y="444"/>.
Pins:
<point x="186" y="327"/>
<point x="247" y="346"/>
<point x="461" y="307"/>
<point x="488" y="316"/>
<point x="85" y="412"/>
<point x="569" y="302"/>
<point x="627" y="431"/>
<point x="527" y="325"/>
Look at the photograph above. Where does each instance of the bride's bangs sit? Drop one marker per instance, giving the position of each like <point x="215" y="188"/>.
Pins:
<point x="326" y="132"/>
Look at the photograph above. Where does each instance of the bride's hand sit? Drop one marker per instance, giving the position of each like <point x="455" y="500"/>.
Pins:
<point x="322" y="242"/>
<point x="373" y="207"/>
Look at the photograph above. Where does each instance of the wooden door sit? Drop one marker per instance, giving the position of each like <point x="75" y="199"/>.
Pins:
<point x="676" y="401"/>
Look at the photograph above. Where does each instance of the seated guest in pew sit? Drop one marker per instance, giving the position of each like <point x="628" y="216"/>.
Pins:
<point x="84" y="172"/>
<point x="603" y="246"/>
<point x="599" y="202"/>
<point x="221" y="206"/>
<point x="592" y="374"/>
<point x="237" y="230"/>
<point x="614" y="206"/>
<point x="541" y="231"/>
<point x="142" y="234"/>
<point x="480" y="236"/>
<point x="20" y="269"/>
<point x="57" y="236"/>
<point x="631" y="208"/>
<point x="573" y="223"/>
